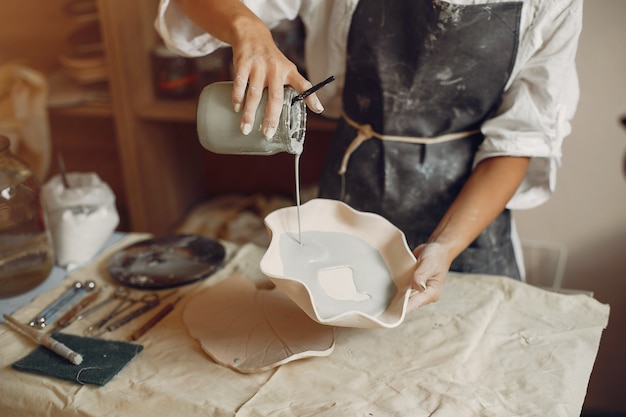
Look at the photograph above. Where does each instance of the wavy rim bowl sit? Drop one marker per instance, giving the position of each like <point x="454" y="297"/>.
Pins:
<point x="335" y="216"/>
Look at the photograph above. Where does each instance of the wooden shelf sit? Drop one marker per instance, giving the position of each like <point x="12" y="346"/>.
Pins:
<point x="168" y="110"/>
<point x="164" y="169"/>
<point x="146" y="148"/>
<point x="103" y="110"/>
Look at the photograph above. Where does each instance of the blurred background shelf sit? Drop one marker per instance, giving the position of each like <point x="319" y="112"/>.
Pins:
<point x="103" y="110"/>
<point x="170" y="110"/>
<point x="108" y="114"/>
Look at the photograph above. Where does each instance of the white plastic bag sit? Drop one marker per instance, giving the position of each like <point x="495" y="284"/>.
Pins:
<point x="81" y="217"/>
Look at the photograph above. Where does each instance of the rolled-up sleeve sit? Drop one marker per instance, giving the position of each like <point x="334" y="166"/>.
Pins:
<point x="538" y="106"/>
<point x="182" y="36"/>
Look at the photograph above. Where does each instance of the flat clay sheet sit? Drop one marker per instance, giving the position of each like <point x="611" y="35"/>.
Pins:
<point x="253" y="330"/>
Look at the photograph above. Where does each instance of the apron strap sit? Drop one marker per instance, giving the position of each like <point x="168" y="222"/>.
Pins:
<point x="365" y="132"/>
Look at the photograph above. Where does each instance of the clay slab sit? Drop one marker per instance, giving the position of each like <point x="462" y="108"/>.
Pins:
<point x="253" y="330"/>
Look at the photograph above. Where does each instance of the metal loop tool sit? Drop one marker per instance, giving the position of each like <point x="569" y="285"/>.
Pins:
<point x="45" y="316"/>
<point x="149" y="301"/>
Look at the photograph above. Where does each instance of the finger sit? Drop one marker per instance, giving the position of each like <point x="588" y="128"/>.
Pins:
<point x="314" y="103"/>
<point x="419" y="299"/>
<point x="253" y="98"/>
<point x="239" y="90"/>
<point x="425" y="291"/>
<point x="273" y="108"/>
<point x="414" y="303"/>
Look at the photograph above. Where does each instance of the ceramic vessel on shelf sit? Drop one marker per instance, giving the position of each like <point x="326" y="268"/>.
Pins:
<point x="26" y="255"/>
<point x="341" y="266"/>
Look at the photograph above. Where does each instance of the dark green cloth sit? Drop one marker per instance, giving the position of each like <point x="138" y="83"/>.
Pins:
<point x="102" y="359"/>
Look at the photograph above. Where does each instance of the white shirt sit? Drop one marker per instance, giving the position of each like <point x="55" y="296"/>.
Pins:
<point x="539" y="100"/>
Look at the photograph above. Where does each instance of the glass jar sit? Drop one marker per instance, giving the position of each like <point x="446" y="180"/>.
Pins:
<point x="26" y="255"/>
<point x="219" y="131"/>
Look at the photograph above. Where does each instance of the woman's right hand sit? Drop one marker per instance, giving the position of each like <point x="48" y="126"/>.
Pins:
<point x="257" y="61"/>
<point x="259" y="64"/>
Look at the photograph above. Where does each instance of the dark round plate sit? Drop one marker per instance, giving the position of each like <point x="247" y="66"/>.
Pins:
<point x="167" y="261"/>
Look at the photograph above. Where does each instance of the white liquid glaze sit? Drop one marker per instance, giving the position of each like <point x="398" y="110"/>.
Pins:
<point x="342" y="272"/>
<point x="297" y="170"/>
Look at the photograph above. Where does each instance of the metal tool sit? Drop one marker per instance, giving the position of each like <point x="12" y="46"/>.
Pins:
<point x="98" y="328"/>
<point x="150" y="301"/>
<point x="119" y="293"/>
<point x="41" y="319"/>
<point x="125" y="302"/>
<point x="149" y="305"/>
<point x="36" y="320"/>
<point x="69" y="317"/>
<point x="130" y="316"/>
<point x="49" y="317"/>
<point x="154" y="320"/>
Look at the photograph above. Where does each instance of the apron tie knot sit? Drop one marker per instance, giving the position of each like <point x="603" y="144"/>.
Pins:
<point x="365" y="132"/>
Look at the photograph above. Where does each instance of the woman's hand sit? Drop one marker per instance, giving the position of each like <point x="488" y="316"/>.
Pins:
<point x="433" y="263"/>
<point x="257" y="61"/>
<point x="483" y="197"/>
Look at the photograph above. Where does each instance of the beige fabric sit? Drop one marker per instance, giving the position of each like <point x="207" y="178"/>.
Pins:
<point x="238" y="218"/>
<point x="490" y="347"/>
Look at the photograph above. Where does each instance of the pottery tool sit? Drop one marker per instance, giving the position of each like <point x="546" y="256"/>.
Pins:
<point x="41" y="316"/>
<point x="154" y="320"/>
<point x="150" y="301"/>
<point x="48" y="318"/>
<point x="119" y="293"/>
<point x="72" y="314"/>
<point x="125" y="302"/>
<point x="45" y="340"/>
<point x="311" y="90"/>
<point x="129" y="317"/>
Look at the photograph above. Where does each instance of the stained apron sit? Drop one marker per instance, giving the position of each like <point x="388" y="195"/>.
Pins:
<point x="421" y="78"/>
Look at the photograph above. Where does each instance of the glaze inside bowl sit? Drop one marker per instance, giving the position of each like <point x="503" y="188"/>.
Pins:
<point x="342" y="267"/>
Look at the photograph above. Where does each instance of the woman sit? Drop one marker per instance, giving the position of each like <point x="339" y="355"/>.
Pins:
<point x="450" y="113"/>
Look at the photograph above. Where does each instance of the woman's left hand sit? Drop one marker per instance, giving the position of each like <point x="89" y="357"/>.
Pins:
<point x="430" y="274"/>
<point x="483" y="197"/>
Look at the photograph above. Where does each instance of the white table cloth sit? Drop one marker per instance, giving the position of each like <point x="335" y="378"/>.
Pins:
<point x="491" y="346"/>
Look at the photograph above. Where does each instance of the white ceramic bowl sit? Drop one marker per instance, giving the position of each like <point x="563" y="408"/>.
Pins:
<point x="368" y="288"/>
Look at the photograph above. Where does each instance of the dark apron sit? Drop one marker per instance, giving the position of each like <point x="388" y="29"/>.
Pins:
<point x="425" y="69"/>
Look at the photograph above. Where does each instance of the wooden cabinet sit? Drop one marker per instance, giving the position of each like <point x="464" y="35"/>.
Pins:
<point x="146" y="148"/>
